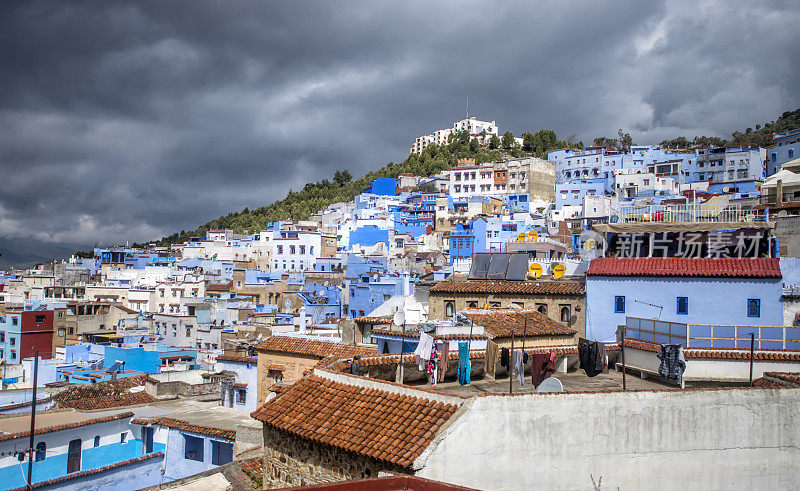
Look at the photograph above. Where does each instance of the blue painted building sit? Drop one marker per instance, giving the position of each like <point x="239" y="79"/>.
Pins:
<point x="370" y="290"/>
<point x="414" y="222"/>
<point x="368" y="235"/>
<point x="786" y="147"/>
<point x="517" y="202"/>
<point x="84" y="445"/>
<point x="357" y="265"/>
<point x="383" y="186"/>
<point x="468" y="239"/>
<point x="743" y="292"/>
<point x="571" y="193"/>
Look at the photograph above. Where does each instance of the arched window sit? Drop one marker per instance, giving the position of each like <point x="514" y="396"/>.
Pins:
<point x="542" y="309"/>
<point x="41" y="451"/>
<point x="97" y="441"/>
<point x="449" y="309"/>
<point x="565" y="315"/>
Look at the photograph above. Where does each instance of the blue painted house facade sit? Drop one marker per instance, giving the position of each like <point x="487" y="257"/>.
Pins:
<point x="741" y="292"/>
<point x="86" y="445"/>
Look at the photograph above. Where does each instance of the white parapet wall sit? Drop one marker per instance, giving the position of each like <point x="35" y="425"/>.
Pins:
<point x="714" y="367"/>
<point x="691" y="439"/>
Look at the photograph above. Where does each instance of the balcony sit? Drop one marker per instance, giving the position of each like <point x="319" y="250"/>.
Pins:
<point x="687" y="213"/>
<point x="713" y="335"/>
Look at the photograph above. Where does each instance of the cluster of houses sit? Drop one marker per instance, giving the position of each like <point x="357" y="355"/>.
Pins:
<point x="397" y="339"/>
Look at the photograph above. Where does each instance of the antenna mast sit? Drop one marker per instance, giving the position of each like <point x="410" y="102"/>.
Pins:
<point x="467" y="107"/>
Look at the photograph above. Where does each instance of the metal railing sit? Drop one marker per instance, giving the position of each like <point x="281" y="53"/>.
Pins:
<point x="687" y="213"/>
<point x="713" y="335"/>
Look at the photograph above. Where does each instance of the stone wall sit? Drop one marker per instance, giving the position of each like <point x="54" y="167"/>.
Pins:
<point x="295" y="365"/>
<point x="553" y="303"/>
<point x="786" y="231"/>
<point x="293" y="461"/>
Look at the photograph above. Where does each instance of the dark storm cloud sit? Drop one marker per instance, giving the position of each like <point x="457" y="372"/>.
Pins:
<point x="130" y="121"/>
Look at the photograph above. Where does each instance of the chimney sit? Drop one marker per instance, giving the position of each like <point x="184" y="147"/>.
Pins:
<point x="779" y="197"/>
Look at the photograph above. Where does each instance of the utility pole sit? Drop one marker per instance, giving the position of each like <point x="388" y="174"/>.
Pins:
<point x="33" y="418"/>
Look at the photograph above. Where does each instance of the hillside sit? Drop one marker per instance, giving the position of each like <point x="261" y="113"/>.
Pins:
<point x="761" y="136"/>
<point x="299" y="205"/>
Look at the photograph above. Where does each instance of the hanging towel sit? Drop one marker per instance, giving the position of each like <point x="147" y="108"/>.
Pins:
<point x="464" y="366"/>
<point x="444" y="360"/>
<point x="433" y="364"/>
<point x="504" y="357"/>
<point x="423" y="351"/>
<point x="518" y="367"/>
<point x="542" y="367"/>
<point x="672" y="364"/>
<point x="589" y="355"/>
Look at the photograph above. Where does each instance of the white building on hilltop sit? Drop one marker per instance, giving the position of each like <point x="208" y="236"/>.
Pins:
<point x="476" y="128"/>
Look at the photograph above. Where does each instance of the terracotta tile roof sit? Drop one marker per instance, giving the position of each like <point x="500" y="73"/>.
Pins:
<point x="75" y="475"/>
<point x="680" y="267"/>
<point x="321" y="349"/>
<point x="254" y="469"/>
<point x="120" y="386"/>
<point x="276" y="367"/>
<point x="392" y="359"/>
<point x="240" y="385"/>
<point x="415" y="335"/>
<point x="392" y="481"/>
<point x="219" y="287"/>
<point x="18" y="405"/>
<point x="237" y="359"/>
<point x="68" y="426"/>
<point x="791" y="378"/>
<point x="769" y="384"/>
<point x="502" y="323"/>
<point x="109" y="402"/>
<point x="278" y="388"/>
<point x="184" y="426"/>
<point x="511" y="287"/>
<point x="373" y="320"/>
<point x="721" y="353"/>
<point x="379" y="424"/>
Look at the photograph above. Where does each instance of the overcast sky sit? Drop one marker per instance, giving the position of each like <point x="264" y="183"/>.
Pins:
<point x="134" y="120"/>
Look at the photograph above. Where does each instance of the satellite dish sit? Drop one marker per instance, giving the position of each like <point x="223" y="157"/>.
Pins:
<point x="320" y="292"/>
<point x="550" y="384"/>
<point x="287" y="304"/>
<point x="535" y="270"/>
<point x="326" y="284"/>
<point x="558" y="271"/>
<point x="521" y="237"/>
<point x="533" y="236"/>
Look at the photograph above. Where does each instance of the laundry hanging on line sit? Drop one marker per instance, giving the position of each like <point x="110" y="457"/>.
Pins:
<point x="423" y="351"/>
<point x="464" y="365"/>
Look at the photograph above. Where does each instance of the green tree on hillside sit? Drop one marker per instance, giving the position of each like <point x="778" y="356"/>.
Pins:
<point x="494" y="142"/>
<point x="508" y="140"/>
<point x="528" y="142"/>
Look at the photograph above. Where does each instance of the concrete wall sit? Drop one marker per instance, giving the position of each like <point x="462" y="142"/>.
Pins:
<point x="710" y="368"/>
<point x="701" y="439"/>
<point x="132" y="476"/>
<point x="176" y="465"/>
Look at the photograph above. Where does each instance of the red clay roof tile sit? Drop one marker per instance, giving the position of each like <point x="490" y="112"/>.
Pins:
<point x="511" y="287"/>
<point x="503" y="323"/>
<point x="678" y="267"/>
<point x="320" y="349"/>
<point x="356" y="418"/>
